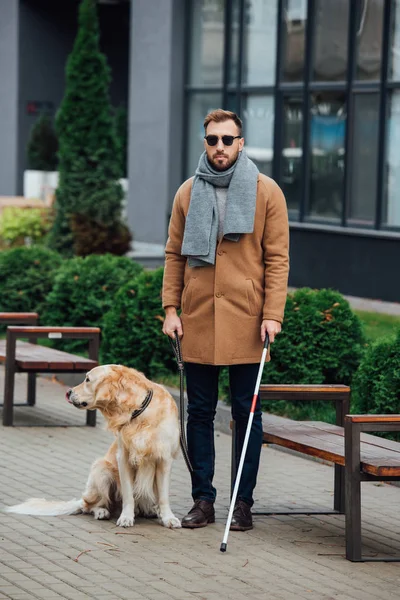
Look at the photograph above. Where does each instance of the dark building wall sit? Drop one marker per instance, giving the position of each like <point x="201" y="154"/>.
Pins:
<point x="46" y="37"/>
<point x="359" y="265"/>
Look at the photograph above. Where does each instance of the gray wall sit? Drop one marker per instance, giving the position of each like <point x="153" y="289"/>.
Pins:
<point x="155" y="114"/>
<point x="9" y="25"/>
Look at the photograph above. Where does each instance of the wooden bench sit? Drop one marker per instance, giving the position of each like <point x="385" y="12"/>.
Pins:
<point x="357" y="456"/>
<point x="28" y="357"/>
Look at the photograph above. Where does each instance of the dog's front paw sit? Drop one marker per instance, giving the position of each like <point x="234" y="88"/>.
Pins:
<point x="171" y="522"/>
<point x="101" y="513"/>
<point x="126" y="520"/>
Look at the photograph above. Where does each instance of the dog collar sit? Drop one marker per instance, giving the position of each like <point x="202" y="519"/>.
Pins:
<point x="145" y="404"/>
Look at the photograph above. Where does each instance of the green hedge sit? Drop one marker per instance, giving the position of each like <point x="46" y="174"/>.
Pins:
<point x="26" y="277"/>
<point x="84" y="290"/>
<point x="132" y="332"/>
<point x="376" y="385"/>
<point x="322" y="341"/>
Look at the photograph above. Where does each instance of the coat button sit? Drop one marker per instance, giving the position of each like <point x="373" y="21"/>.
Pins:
<point x="218" y="294"/>
<point x="220" y="252"/>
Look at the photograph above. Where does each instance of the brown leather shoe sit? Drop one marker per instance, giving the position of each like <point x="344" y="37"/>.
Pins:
<point x="201" y="514"/>
<point x="242" y="519"/>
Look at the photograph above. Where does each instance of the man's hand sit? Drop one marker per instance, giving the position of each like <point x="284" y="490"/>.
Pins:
<point x="172" y="323"/>
<point x="270" y="327"/>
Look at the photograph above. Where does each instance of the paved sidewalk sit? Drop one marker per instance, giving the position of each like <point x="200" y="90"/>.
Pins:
<point x="76" y="557"/>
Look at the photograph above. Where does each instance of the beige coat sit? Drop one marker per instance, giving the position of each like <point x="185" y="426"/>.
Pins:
<point x="223" y="304"/>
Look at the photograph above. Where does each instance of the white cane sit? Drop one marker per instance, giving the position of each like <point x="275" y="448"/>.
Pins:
<point x="244" y="449"/>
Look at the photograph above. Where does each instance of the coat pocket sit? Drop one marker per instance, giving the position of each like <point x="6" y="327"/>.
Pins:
<point x="187" y="296"/>
<point x="252" y="298"/>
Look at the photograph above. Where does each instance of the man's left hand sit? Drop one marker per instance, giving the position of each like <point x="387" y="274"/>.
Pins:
<point x="270" y="327"/>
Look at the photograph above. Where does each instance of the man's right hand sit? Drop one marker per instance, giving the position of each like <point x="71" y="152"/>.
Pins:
<point x="172" y="323"/>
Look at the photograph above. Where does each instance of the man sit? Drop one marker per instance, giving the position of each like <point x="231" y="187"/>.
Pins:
<point x="226" y="267"/>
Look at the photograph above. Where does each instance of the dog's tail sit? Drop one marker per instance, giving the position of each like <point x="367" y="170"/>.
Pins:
<point x="41" y="507"/>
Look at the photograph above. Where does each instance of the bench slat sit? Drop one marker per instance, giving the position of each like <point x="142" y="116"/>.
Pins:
<point x="33" y="356"/>
<point x="326" y="442"/>
<point x="304" y="392"/>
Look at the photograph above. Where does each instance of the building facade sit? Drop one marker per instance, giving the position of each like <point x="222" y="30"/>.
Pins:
<point x="316" y="83"/>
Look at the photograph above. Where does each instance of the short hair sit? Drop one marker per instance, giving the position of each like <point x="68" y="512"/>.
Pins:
<point x="219" y="116"/>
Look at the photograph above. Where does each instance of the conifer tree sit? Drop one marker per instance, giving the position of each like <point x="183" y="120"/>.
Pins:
<point x="89" y="190"/>
<point x="42" y="145"/>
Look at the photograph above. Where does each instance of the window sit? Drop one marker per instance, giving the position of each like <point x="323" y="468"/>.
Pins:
<point x="200" y="105"/>
<point x="258" y="125"/>
<point x="369" y="39"/>
<point x="327" y="149"/>
<point x="292" y="151"/>
<point x="207" y="45"/>
<point x="391" y="208"/>
<point x="294" y="35"/>
<point x="260" y="27"/>
<point x="331" y="40"/>
<point x="363" y="176"/>
<point x="394" y="57"/>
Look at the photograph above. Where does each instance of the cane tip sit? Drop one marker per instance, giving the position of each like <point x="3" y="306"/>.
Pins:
<point x="223" y="548"/>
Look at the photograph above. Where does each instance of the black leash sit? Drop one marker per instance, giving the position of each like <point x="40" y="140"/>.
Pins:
<point x="176" y="347"/>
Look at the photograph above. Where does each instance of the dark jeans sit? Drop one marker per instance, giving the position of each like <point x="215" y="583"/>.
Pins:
<point x="202" y="391"/>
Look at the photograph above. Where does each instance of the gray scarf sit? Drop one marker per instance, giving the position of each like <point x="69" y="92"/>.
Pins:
<point x="201" y="228"/>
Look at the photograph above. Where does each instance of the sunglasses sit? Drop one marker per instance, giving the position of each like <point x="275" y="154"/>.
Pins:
<point x="227" y="140"/>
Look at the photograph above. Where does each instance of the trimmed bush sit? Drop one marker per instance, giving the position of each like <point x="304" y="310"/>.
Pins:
<point x="132" y="328"/>
<point x="84" y="290"/>
<point x="43" y="145"/>
<point x="24" y="226"/>
<point x="376" y="385"/>
<point x="26" y="278"/>
<point x="322" y="341"/>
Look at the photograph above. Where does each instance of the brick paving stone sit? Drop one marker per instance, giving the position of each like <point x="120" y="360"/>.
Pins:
<point x="282" y="558"/>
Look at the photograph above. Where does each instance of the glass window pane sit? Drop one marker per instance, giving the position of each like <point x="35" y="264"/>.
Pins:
<point x="292" y="153"/>
<point x="293" y="39"/>
<point x="258" y="129"/>
<point x="207" y="43"/>
<point x="330" y="46"/>
<point x="199" y="106"/>
<point x="369" y="39"/>
<point x="394" y="58"/>
<point x="259" y="55"/>
<point x="327" y="147"/>
<point x="391" y="216"/>
<point x="362" y="201"/>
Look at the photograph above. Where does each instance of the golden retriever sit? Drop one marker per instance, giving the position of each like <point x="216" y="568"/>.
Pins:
<point x="136" y="469"/>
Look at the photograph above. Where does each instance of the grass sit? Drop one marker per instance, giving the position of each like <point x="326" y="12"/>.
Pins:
<point x="378" y="325"/>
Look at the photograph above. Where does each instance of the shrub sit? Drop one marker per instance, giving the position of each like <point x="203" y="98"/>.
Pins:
<point x="132" y="328"/>
<point x="26" y="278"/>
<point x="376" y="385"/>
<point x="24" y="226"/>
<point x="84" y="290"/>
<point x="88" y="156"/>
<point x="43" y="145"/>
<point x="322" y="341"/>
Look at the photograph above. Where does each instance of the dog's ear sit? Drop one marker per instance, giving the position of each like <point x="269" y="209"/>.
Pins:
<point x="103" y="395"/>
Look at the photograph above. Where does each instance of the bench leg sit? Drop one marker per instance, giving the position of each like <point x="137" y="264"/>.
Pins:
<point x="31" y="389"/>
<point x="338" y="502"/>
<point x="353" y="493"/>
<point x="8" y="407"/>
<point x="91" y="418"/>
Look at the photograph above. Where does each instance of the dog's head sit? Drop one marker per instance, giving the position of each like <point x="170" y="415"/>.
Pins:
<point x="106" y="387"/>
